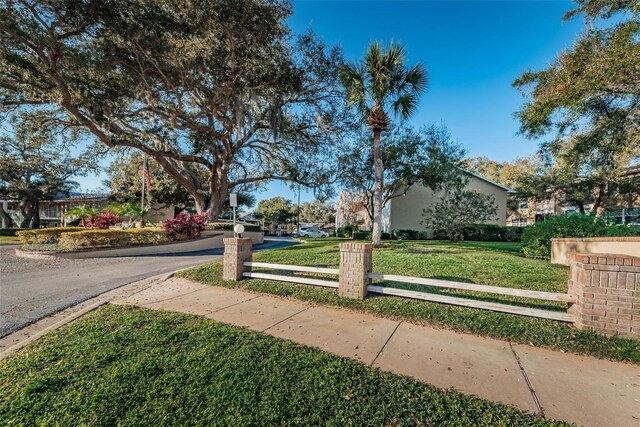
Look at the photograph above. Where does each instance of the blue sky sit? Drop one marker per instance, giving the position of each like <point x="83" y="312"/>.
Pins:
<point x="473" y="50"/>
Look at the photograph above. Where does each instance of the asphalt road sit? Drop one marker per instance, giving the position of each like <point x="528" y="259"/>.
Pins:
<point x="32" y="289"/>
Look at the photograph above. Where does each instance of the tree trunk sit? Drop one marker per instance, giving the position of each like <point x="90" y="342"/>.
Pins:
<point x="26" y="209"/>
<point x="35" y="221"/>
<point x="7" y="221"/>
<point x="377" y="192"/>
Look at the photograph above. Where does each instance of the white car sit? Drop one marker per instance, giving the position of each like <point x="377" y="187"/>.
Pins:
<point x="309" y="232"/>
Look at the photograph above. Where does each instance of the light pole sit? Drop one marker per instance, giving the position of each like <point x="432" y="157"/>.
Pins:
<point x="298" y="233"/>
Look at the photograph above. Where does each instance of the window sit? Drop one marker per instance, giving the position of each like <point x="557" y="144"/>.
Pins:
<point x="523" y="205"/>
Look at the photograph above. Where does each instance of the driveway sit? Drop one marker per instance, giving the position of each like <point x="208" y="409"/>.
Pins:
<point x="32" y="289"/>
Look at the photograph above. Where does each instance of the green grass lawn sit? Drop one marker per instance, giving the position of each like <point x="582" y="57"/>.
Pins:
<point x="9" y="240"/>
<point x="488" y="263"/>
<point x="128" y="366"/>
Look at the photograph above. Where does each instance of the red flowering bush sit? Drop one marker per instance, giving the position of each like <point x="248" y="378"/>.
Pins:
<point x="104" y="220"/>
<point x="185" y="225"/>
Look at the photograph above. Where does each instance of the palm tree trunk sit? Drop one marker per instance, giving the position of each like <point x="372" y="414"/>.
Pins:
<point x="377" y="191"/>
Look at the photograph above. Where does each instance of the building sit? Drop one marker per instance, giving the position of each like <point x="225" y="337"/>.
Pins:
<point x="405" y="212"/>
<point x="532" y="210"/>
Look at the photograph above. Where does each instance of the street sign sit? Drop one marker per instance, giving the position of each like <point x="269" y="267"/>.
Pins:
<point x="233" y="200"/>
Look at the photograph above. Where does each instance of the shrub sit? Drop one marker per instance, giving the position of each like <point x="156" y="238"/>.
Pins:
<point x="348" y="231"/>
<point x="537" y="238"/>
<point x="10" y="232"/>
<point x="97" y="238"/>
<point x="513" y="234"/>
<point x="44" y="235"/>
<point x="362" y="235"/>
<point x="105" y="220"/>
<point x="229" y="226"/>
<point x="185" y="225"/>
<point x="409" y="234"/>
<point x="385" y="236"/>
<point x="622" y="231"/>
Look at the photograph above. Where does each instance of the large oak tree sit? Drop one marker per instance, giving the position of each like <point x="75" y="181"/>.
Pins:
<point x="217" y="85"/>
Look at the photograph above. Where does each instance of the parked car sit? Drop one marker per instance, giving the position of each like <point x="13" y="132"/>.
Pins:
<point x="309" y="232"/>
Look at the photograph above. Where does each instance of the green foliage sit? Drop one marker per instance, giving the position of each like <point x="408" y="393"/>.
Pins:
<point x="537" y="238"/>
<point x="274" y="103"/>
<point x="315" y="212"/>
<point x="459" y="209"/>
<point x="385" y="236"/>
<point x="274" y="211"/>
<point x="588" y="99"/>
<point x="37" y="161"/>
<point x="361" y="235"/>
<point x="126" y="366"/>
<point x="9" y="231"/>
<point x="409" y="235"/>
<point x="83" y="213"/>
<point x="426" y="156"/>
<point x="347" y="230"/>
<point x="488" y="263"/>
<point x="44" y="235"/>
<point x="101" y="238"/>
<point x="487" y="233"/>
<point x="229" y="226"/>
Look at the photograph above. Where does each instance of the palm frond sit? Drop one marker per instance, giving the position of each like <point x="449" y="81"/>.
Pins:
<point x="405" y="105"/>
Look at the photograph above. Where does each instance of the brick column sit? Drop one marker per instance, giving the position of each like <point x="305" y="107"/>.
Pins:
<point x="607" y="288"/>
<point x="236" y="252"/>
<point x="355" y="265"/>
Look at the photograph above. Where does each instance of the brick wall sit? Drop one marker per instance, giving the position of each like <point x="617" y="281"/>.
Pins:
<point x="236" y="252"/>
<point x="607" y="288"/>
<point x="355" y="266"/>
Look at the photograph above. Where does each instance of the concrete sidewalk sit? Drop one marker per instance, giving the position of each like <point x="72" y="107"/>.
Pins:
<point x="567" y="387"/>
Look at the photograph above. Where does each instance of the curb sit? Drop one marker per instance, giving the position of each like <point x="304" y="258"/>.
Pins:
<point x="25" y="335"/>
<point x="10" y="350"/>
<point x="21" y="253"/>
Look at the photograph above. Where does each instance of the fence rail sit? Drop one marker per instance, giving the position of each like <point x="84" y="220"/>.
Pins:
<point x="550" y="296"/>
<point x="422" y="295"/>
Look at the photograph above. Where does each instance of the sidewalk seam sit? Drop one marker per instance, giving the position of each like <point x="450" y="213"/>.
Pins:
<point x="170" y="298"/>
<point x="229" y="306"/>
<point x="385" y="343"/>
<point x="284" y="320"/>
<point x="526" y="379"/>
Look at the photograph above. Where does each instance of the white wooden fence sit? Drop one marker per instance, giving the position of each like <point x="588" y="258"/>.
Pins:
<point x="426" y="296"/>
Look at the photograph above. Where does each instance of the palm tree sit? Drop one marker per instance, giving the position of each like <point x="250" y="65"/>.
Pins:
<point x="381" y="80"/>
<point x="83" y="212"/>
<point x="130" y="210"/>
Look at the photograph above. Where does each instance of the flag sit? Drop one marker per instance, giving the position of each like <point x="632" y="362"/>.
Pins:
<point x="147" y="177"/>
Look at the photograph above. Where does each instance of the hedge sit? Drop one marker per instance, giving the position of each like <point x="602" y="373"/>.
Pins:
<point x="537" y="238"/>
<point x="229" y="226"/>
<point x="44" y="235"/>
<point x="97" y="238"/>
<point x="487" y="233"/>
<point x="11" y="232"/>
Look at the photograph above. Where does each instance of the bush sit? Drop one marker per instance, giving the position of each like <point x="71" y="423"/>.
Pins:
<point x="44" y="235"/>
<point x="229" y="226"/>
<point x="348" y="231"/>
<point x="185" y="225"/>
<point x="362" y="235"/>
<point x="97" y="238"/>
<point x="409" y="235"/>
<point x="385" y="236"/>
<point x="105" y="220"/>
<point x="537" y="238"/>
<point x="513" y="234"/>
<point x="622" y="231"/>
<point x="11" y="232"/>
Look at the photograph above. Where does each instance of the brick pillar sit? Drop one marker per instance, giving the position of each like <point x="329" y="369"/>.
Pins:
<point x="607" y="288"/>
<point x="355" y="265"/>
<point x="236" y="252"/>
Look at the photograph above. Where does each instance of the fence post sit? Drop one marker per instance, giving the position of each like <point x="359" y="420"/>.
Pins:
<point x="607" y="288"/>
<point x="355" y="266"/>
<point x="237" y="251"/>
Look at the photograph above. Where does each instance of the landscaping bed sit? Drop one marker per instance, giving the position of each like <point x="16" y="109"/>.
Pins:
<point x="127" y="366"/>
<point x="488" y="263"/>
